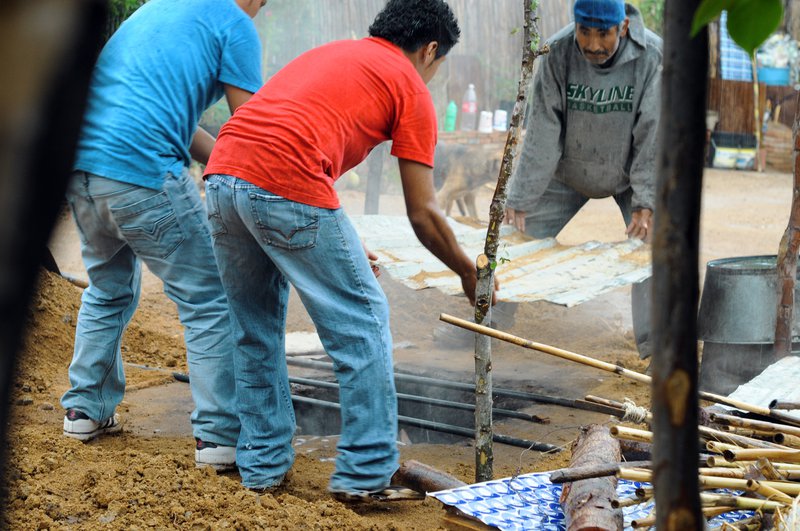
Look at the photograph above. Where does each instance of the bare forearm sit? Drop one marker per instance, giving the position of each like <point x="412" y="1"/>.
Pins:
<point x="202" y="144"/>
<point x="435" y="234"/>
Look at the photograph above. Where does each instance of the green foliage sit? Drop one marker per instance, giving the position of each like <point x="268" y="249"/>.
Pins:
<point x="653" y="14"/>
<point x="750" y="22"/>
<point x="118" y="11"/>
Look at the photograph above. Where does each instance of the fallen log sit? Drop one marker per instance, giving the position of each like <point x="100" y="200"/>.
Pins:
<point x="587" y="503"/>
<point x="424" y="478"/>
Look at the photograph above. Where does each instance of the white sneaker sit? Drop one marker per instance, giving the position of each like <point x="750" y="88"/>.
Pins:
<point x="218" y="457"/>
<point x="79" y="426"/>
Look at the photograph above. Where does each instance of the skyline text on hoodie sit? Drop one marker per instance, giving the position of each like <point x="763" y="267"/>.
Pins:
<point x="582" y="97"/>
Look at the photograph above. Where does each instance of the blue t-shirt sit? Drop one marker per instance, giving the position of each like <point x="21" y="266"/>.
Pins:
<point x="163" y="67"/>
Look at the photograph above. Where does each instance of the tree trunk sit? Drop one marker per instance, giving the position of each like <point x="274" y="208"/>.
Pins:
<point x="487" y="262"/>
<point x="675" y="274"/>
<point x="587" y="503"/>
<point x="787" y="258"/>
<point x="41" y="108"/>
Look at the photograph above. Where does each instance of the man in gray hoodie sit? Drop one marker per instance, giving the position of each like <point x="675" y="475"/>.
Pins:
<point x="592" y="130"/>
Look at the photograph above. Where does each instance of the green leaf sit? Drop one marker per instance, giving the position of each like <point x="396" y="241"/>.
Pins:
<point x="708" y="11"/>
<point x="751" y="22"/>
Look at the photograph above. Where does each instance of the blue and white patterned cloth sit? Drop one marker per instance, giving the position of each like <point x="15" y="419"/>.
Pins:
<point x="734" y="61"/>
<point x="529" y="502"/>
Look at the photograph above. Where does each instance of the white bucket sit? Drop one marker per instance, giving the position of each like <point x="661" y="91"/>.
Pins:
<point x="485" y="122"/>
<point x="500" y="120"/>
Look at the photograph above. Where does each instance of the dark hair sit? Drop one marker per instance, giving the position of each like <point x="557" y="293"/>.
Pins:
<point x="411" y="24"/>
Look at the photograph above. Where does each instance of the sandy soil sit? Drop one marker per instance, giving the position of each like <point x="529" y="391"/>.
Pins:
<point x="145" y="477"/>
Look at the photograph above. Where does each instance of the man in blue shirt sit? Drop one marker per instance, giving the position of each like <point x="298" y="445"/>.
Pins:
<point x="133" y="201"/>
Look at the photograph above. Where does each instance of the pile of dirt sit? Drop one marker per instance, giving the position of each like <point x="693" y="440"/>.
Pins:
<point x="136" y="482"/>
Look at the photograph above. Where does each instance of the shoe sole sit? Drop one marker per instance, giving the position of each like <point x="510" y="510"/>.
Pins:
<point x="88" y="436"/>
<point x="219" y="467"/>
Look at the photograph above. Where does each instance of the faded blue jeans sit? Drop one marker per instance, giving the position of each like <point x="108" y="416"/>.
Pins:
<point x="120" y="225"/>
<point x="557" y="206"/>
<point x="263" y="242"/>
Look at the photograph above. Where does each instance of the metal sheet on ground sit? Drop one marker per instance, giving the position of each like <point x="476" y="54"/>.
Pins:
<point x="528" y="269"/>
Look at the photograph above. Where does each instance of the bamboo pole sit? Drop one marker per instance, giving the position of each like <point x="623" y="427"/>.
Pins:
<point x="639" y="474"/>
<point x="605" y="366"/>
<point x="768" y="492"/>
<point x="782" y="404"/>
<point x="786" y="456"/>
<point x="769" y="427"/>
<point x="740" y="502"/>
<point x="631" y="434"/>
<point x="486" y="262"/>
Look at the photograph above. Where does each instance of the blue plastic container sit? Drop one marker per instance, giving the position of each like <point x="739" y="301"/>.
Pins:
<point x="770" y="75"/>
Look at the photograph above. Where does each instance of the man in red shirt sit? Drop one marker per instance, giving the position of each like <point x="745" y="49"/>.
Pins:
<point x="276" y="220"/>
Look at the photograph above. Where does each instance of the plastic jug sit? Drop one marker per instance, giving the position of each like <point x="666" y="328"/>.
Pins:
<point x="469" y="109"/>
<point x="450" y="116"/>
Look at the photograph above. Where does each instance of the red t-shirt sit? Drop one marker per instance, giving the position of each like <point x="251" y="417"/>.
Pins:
<point x="322" y="114"/>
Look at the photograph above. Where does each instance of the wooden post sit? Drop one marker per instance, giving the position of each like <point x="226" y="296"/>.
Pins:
<point x="487" y="261"/>
<point x="675" y="274"/>
<point x="787" y="257"/>
<point x="372" y="196"/>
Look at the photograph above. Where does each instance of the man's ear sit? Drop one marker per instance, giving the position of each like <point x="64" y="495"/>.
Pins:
<point x="429" y="54"/>
<point x="624" y="31"/>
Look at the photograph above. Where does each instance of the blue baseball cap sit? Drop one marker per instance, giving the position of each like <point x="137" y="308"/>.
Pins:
<point x="601" y="14"/>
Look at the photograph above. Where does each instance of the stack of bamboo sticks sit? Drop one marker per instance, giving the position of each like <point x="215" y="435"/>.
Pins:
<point x="759" y="458"/>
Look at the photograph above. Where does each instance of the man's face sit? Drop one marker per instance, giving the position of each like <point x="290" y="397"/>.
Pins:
<point x="252" y="7"/>
<point x="599" y="45"/>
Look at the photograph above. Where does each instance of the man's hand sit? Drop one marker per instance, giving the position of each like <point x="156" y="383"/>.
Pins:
<point x="516" y="218"/>
<point x="641" y="224"/>
<point x="373" y="260"/>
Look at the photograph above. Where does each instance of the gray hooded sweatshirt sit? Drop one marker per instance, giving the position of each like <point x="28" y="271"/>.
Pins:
<point x="593" y="128"/>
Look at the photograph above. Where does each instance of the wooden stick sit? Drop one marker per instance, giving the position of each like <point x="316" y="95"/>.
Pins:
<point x="720" y="447"/>
<point x="785" y="439"/>
<point x="602" y="365"/>
<point x="722" y="472"/>
<point x="740" y="502"/>
<point x="638" y="474"/>
<point x="627" y="502"/>
<point x="753" y="523"/>
<point x="787" y="456"/>
<point x="732" y="420"/>
<point x="732" y="438"/>
<point x="424" y="478"/>
<point x="768" y="492"/>
<point x="565" y="475"/>
<point x="631" y="434"/>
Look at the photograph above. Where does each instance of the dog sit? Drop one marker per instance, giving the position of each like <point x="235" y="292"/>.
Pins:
<point x="460" y="169"/>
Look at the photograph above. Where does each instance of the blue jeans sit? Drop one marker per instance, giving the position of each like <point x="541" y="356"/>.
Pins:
<point x="263" y="242"/>
<point x="559" y="204"/>
<point x="121" y="225"/>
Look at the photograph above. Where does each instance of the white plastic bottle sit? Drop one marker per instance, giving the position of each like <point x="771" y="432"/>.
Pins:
<point x="469" y="109"/>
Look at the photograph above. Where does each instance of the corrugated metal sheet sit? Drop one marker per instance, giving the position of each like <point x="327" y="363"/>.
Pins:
<point x="529" y="270"/>
<point x="776" y="382"/>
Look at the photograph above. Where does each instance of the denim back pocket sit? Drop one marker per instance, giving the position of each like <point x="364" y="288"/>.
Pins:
<point x="283" y="223"/>
<point x="214" y="213"/>
<point x="150" y="226"/>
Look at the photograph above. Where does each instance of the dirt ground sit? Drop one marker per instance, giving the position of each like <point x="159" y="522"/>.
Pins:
<point x="145" y="476"/>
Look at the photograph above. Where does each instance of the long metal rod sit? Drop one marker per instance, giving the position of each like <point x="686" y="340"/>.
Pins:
<point x="470" y="388"/>
<point x="424" y="400"/>
<point x="444" y="428"/>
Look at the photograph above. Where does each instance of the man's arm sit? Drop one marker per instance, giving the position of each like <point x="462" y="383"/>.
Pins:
<point x="430" y="225"/>
<point x="203" y="141"/>
<point x="643" y="166"/>
<point x="543" y="144"/>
